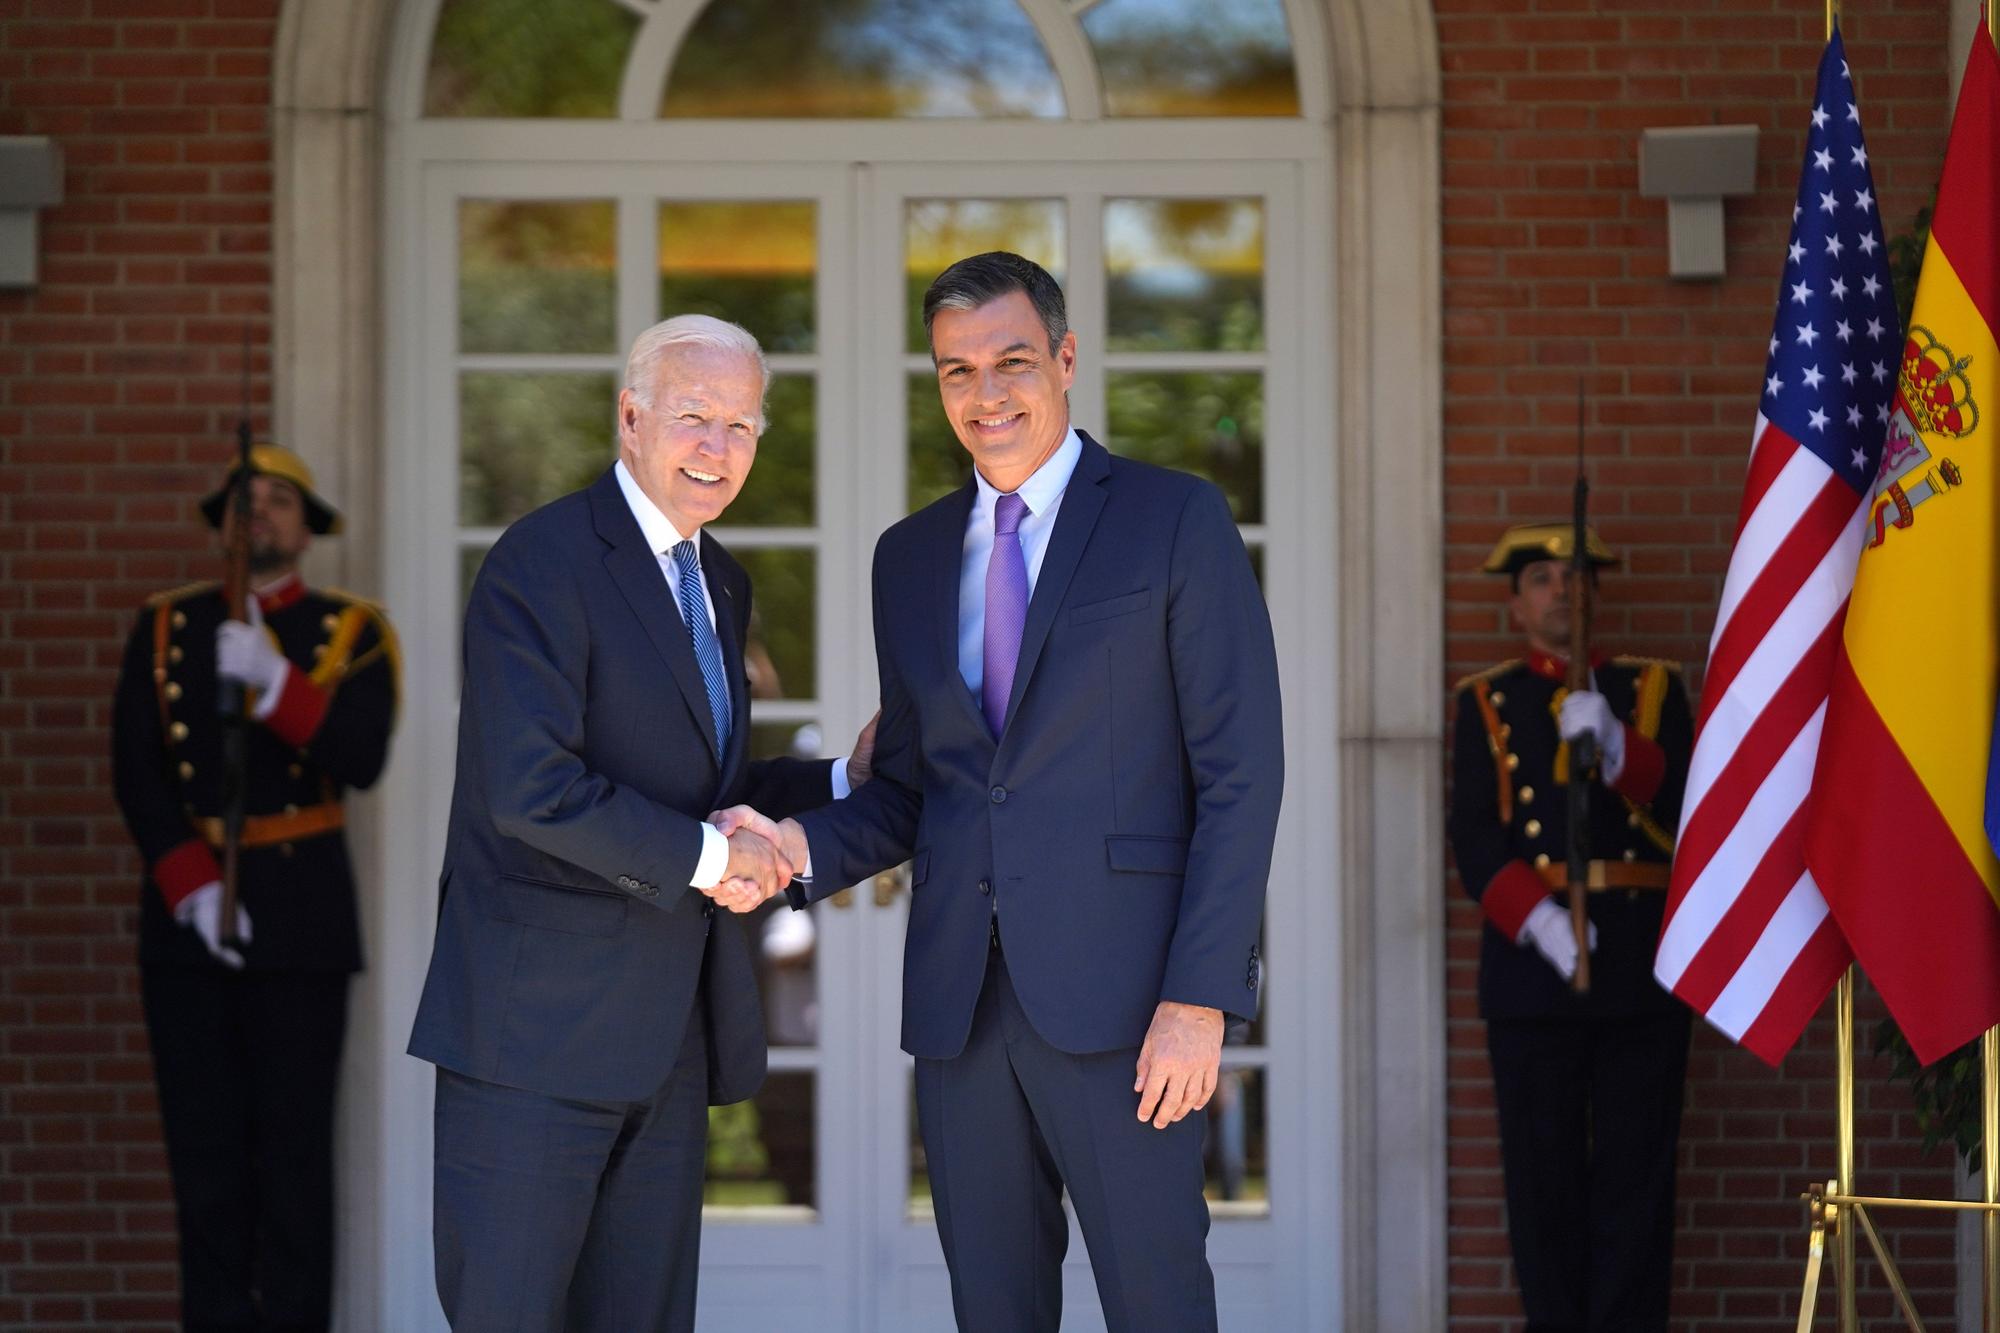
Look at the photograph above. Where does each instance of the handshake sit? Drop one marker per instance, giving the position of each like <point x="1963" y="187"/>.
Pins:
<point x="763" y="858"/>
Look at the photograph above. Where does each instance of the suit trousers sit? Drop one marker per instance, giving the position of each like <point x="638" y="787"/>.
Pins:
<point x="1590" y="1115"/>
<point x="1010" y="1122"/>
<point x="247" y="1064"/>
<point x="553" y="1214"/>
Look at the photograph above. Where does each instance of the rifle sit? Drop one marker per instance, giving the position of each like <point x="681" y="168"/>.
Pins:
<point x="233" y="704"/>
<point x="1582" y="750"/>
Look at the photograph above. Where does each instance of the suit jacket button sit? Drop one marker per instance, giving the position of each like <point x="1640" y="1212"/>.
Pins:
<point x="708" y="909"/>
<point x="985" y="886"/>
<point x="624" y="881"/>
<point x="999" y="795"/>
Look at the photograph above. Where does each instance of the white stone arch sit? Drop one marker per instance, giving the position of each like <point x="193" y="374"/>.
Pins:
<point x="1380" y="485"/>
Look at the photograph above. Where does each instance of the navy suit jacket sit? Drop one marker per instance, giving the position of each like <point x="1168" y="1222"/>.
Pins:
<point x="569" y="946"/>
<point x="1120" y="828"/>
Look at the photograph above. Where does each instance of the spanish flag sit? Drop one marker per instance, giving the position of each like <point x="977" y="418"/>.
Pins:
<point x="1895" y="835"/>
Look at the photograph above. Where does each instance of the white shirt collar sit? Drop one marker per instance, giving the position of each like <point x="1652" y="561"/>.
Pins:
<point x="661" y="535"/>
<point x="1042" y="489"/>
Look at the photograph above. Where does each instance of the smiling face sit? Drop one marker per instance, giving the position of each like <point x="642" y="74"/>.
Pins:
<point x="1004" y="389"/>
<point x="690" y="435"/>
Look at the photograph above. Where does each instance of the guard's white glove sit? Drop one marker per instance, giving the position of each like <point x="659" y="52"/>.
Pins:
<point x="1585" y="711"/>
<point x="1548" y="929"/>
<point x="244" y="653"/>
<point x="202" y="909"/>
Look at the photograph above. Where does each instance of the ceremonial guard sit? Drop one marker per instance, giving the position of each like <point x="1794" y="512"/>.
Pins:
<point x="247" y="1011"/>
<point x="1588" y="1085"/>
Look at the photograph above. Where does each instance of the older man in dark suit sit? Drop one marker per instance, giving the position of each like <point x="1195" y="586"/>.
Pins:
<point x="583" y="1006"/>
<point x="1080" y="754"/>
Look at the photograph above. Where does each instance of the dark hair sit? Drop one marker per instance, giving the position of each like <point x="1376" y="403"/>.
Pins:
<point x="980" y="279"/>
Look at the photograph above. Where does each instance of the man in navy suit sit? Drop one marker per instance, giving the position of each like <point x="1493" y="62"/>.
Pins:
<point x="583" y="1007"/>
<point x="1080" y="755"/>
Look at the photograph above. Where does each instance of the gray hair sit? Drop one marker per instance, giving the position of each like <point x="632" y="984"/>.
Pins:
<point x="981" y="279"/>
<point x="649" y="348"/>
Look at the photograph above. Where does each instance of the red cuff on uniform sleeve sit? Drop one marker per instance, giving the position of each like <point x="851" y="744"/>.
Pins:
<point x="1645" y="768"/>
<point x="185" y="869"/>
<point x="1510" y="895"/>
<point x="301" y="708"/>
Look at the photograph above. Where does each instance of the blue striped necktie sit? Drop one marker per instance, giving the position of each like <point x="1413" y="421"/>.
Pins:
<point x="694" y="610"/>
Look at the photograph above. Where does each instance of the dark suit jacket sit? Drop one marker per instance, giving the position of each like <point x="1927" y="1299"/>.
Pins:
<point x="1496" y="858"/>
<point x="1121" y="827"/>
<point x="569" y="945"/>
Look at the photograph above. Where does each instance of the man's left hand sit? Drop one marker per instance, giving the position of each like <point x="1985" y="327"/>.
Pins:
<point x="1587" y="711"/>
<point x="1179" y="1062"/>
<point x="861" y="764"/>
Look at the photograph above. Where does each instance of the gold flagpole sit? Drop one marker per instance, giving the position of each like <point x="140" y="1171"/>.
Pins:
<point x="1843" y="1238"/>
<point x="1989" y="1059"/>
<point x="1832" y="17"/>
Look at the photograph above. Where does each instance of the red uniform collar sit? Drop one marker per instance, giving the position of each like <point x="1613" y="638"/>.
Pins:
<point x="286" y="592"/>
<point x="1550" y="667"/>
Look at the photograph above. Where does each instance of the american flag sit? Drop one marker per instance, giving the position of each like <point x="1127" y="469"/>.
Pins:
<point x="1748" y="940"/>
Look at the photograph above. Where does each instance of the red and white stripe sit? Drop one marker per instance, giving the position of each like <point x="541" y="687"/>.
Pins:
<point x="1747" y="940"/>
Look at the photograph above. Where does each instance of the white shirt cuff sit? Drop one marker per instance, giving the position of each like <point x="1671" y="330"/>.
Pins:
<point x="714" y="858"/>
<point x="840" y="784"/>
<point x="267" y="702"/>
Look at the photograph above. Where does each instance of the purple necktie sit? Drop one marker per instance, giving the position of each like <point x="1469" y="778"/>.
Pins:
<point x="1006" y="609"/>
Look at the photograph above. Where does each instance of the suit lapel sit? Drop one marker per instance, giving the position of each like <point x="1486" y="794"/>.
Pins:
<point x="637" y="574"/>
<point x="1082" y="501"/>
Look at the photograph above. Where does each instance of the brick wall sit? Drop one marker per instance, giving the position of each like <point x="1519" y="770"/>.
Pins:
<point x="1555" y="267"/>
<point x="120" y="384"/>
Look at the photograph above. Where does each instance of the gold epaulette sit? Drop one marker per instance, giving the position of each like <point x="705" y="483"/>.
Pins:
<point x="1628" y="660"/>
<point x="1491" y="673"/>
<point x="182" y="593"/>
<point x="338" y="664"/>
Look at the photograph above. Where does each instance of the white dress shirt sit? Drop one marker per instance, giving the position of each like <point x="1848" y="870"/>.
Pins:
<point x="1043" y="493"/>
<point x="661" y="538"/>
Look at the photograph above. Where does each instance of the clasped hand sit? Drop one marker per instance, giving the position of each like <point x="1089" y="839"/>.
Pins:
<point x="763" y="857"/>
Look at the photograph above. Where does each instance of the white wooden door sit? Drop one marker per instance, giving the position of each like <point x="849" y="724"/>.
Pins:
<point x="818" y="1215"/>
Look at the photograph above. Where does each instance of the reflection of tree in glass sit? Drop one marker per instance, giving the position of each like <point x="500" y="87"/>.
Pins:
<point x="779" y="492"/>
<point x="526" y="439"/>
<point x="536" y="277"/>
<point x="783" y="591"/>
<point x="1208" y="424"/>
<point x="940" y="232"/>
<point x="862" y="58"/>
<point x="1193" y="57"/>
<point x="528" y="58"/>
<point x="1184" y="274"/>
<point x="750" y="262"/>
<point x="938" y="463"/>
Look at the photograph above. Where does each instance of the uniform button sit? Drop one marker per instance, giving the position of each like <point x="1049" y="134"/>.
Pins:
<point x="175" y="655"/>
<point x="291" y="809"/>
<point x="172" y="690"/>
<point x="1632" y="820"/>
<point x="329" y="622"/>
<point x="319" y="650"/>
<point x="1534" y="828"/>
<point x="295" y="771"/>
<point x="1513" y="762"/>
<point x="999" y="795"/>
<point x="1541" y="860"/>
<point x="187" y="770"/>
<point x="180" y="620"/>
<point x="179" y="731"/>
<point x="985" y="886"/>
<point x="1527" y="796"/>
<point x="1631" y="854"/>
<point x="1499" y="699"/>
